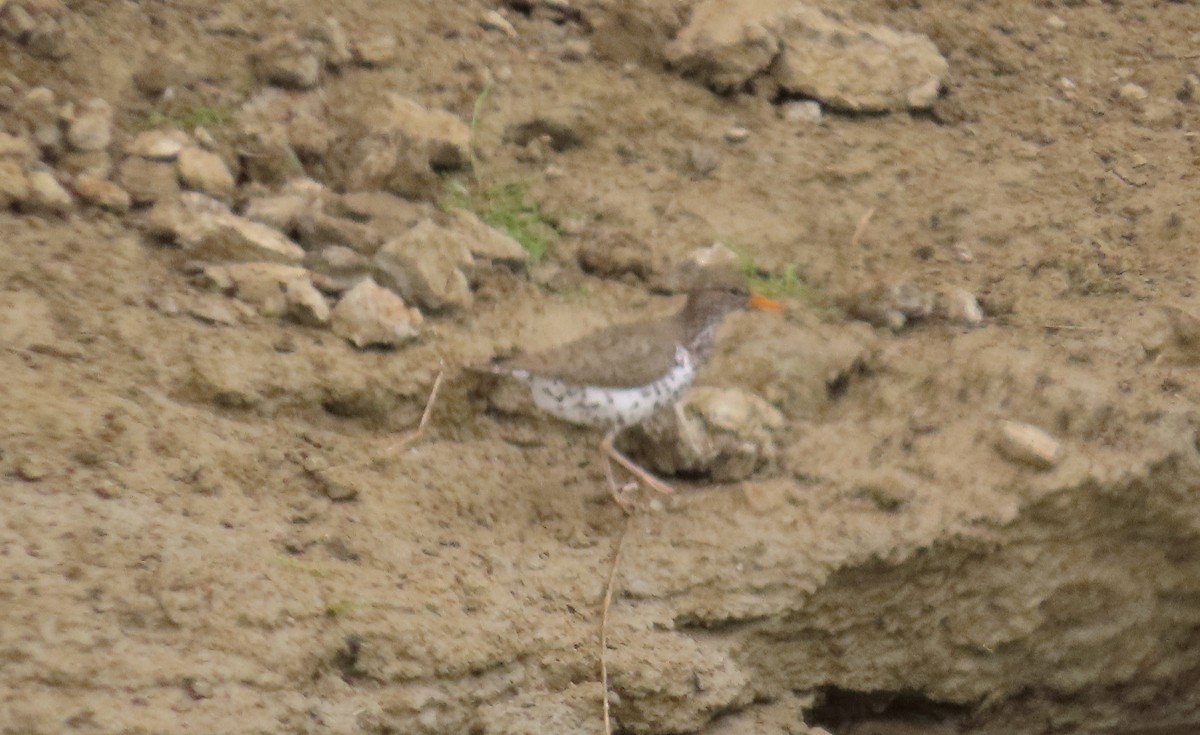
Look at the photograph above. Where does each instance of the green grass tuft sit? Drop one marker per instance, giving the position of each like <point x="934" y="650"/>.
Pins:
<point x="509" y="208"/>
<point x="187" y="118"/>
<point x="788" y="284"/>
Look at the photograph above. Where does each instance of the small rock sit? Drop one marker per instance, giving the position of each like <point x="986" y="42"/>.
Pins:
<point x="424" y="266"/>
<point x="281" y="211"/>
<point x="32" y="467"/>
<point x="336" y="268"/>
<point x="161" y="71"/>
<point x="1131" y="92"/>
<point x="387" y="212"/>
<point x="101" y="192"/>
<point x="961" y="307"/>
<point x="158" y="145"/>
<point x="337" y="490"/>
<point x="93" y="163"/>
<point x="46" y="194"/>
<point x="213" y="311"/>
<point x="892" y="306"/>
<point x="49" y="138"/>
<point x="148" y="181"/>
<point x="320" y="230"/>
<point x="808" y="111"/>
<point x="485" y="241"/>
<point x="306" y="304"/>
<point x="14" y="184"/>
<point x="205" y="172"/>
<point x="198" y="688"/>
<point x="445" y="138"/>
<point x="724" y="433"/>
<point x="204" y="138"/>
<point x="376" y="52"/>
<point x="492" y="20"/>
<point x="1027" y="444"/>
<point x="17" y="148"/>
<point x="370" y="315"/>
<point x="1055" y="23"/>
<point x="91" y="129"/>
<point x="398" y="145"/>
<point x="576" y="49"/>
<point x="286" y="60"/>
<point x="737" y="135"/>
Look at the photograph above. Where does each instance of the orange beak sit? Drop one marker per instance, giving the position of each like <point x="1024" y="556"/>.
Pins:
<point x="762" y="303"/>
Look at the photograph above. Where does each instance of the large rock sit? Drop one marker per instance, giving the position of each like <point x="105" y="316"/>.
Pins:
<point x="857" y="67"/>
<point x="288" y="60"/>
<point x="425" y="266"/>
<point x="727" y="43"/>
<point x="398" y="145"/>
<point x="370" y="315"/>
<point x="844" y="64"/>
<point x="723" y="433"/>
<point x="208" y="231"/>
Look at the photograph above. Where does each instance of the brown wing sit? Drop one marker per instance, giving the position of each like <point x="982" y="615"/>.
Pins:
<point x="622" y="356"/>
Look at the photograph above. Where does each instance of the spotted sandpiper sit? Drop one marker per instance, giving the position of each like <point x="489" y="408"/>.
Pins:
<point x="619" y="376"/>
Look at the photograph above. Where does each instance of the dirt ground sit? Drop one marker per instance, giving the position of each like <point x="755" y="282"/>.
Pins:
<point x="168" y="565"/>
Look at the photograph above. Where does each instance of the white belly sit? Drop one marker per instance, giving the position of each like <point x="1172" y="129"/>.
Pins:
<point x="590" y="406"/>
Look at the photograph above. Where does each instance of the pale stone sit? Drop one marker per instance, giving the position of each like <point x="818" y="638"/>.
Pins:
<point x="46" y="194"/>
<point x="158" y="145"/>
<point x="101" y="192"/>
<point x="203" y="171"/>
<point x="424" y="266"/>
<point x="14" y="184"/>
<point x="369" y="315"/>
<point x="210" y="232"/>
<point x="724" y="433"/>
<point x="91" y="128"/>
<point x="148" y="181"/>
<point x="1028" y="444"/>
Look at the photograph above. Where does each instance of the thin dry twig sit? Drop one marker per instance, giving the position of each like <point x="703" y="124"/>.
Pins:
<point x="608" y="595"/>
<point x="861" y="228"/>
<point x="409" y="437"/>
<point x="418" y="432"/>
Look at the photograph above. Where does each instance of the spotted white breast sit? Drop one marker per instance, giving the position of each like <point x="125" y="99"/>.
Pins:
<point x="604" y="406"/>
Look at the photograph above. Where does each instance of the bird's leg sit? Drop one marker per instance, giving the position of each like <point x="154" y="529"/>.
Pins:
<point x="610" y="452"/>
<point x="620" y="494"/>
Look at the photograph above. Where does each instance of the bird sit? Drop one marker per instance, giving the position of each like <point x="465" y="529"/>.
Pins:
<point x="619" y="376"/>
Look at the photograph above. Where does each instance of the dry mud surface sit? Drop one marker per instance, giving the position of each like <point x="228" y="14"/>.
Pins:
<point x="167" y="564"/>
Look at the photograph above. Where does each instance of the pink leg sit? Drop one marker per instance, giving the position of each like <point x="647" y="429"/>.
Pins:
<point x="610" y="452"/>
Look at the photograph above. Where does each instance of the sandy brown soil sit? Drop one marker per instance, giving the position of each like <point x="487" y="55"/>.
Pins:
<point x="167" y="565"/>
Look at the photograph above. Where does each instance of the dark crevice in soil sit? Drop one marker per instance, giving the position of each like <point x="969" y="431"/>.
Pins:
<point x="849" y="712"/>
